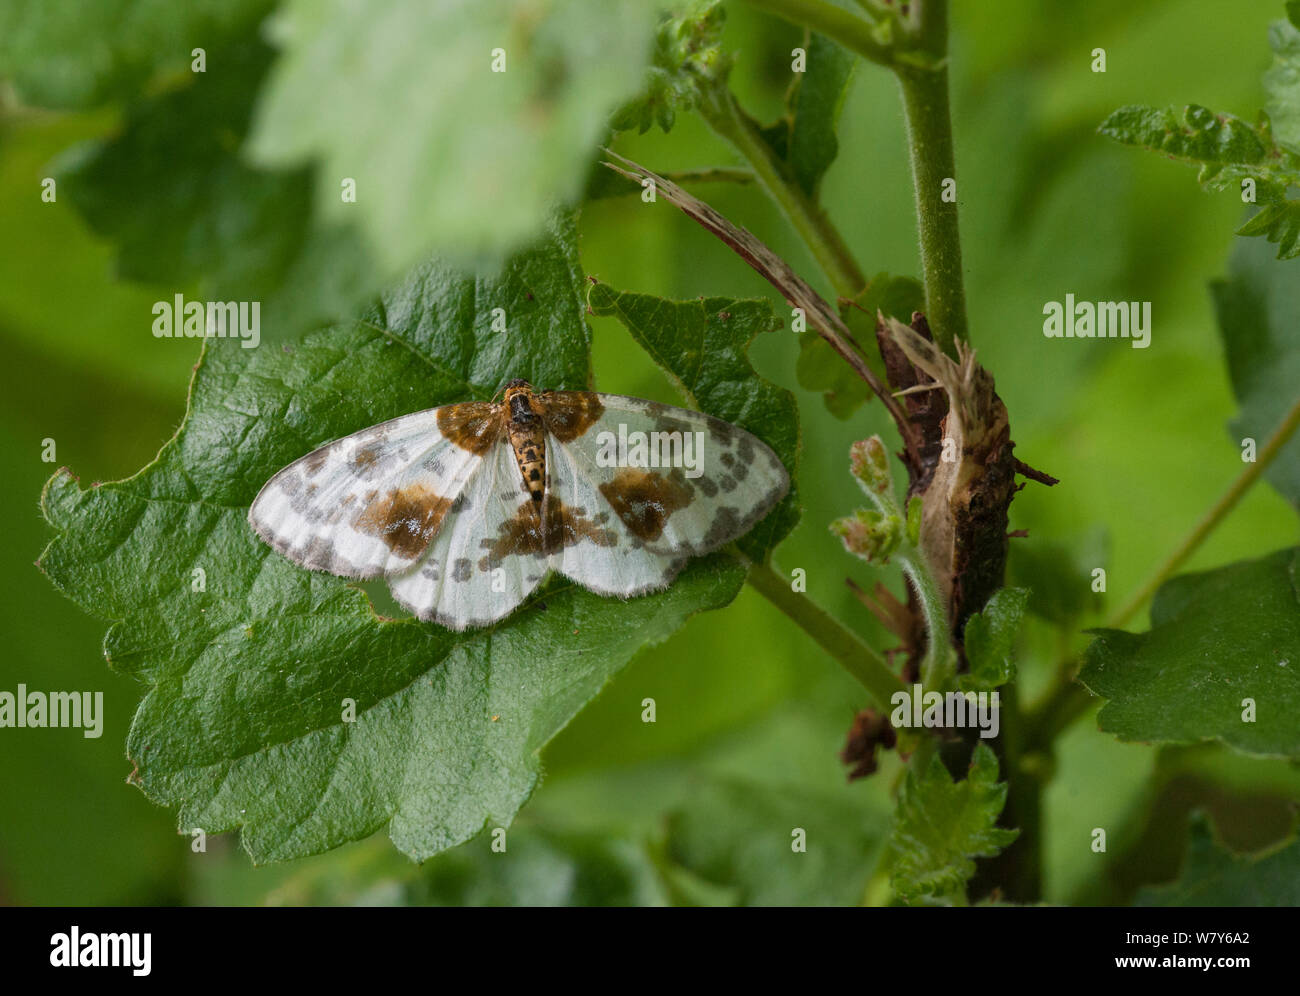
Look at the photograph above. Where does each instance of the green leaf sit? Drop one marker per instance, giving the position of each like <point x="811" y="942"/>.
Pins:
<point x="688" y="61"/>
<point x="138" y="188"/>
<point x="1213" y="876"/>
<point x="1279" y="223"/>
<point x="1195" y="135"/>
<point x="241" y="724"/>
<point x="703" y="347"/>
<point x="1217" y="638"/>
<point x="1232" y="155"/>
<point x="463" y="161"/>
<point x="67" y="54"/>
<point x="171" y="192"/>
<point x="741" y="837"/>
<point x="990" y="639"/>
<point x="820" y="368"/>
<point x="941" y="826"/>
<point x="1258" y="310"/>
<point x="1282" y="84"/>
<point x="804" y="138"/>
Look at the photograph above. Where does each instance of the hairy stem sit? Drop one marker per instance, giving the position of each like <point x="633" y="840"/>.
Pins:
<point x="868" y="667"/>
<point x="936" y="667"/>
<point x="929" y="138"/>
<point x="919" y="59"/>
<point x="813" y="225"/>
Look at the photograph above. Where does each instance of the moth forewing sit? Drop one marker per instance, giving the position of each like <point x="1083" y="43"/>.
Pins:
<point x="365" y="505"/>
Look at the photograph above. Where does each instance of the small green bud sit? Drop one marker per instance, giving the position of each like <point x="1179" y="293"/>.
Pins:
<point x="869" y="461"/>
<point x="868" y="534"/>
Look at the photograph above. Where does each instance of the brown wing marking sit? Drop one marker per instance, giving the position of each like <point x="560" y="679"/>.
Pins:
<point x="472" y="425"/>
<point x="406" y="519"/>
<point x="523" y="535"/>
<point x="569" y="414"/>
<point x="643" y="500"/>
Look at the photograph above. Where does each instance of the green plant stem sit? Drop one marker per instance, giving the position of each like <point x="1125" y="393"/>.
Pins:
<point x="868" y="667"/>
<point x="929" y="139"/>
<point x="850" y="30"/>
<point x="812" y="223"/>
<point x="936" y="667"/>
<point x="1068" y="701"/>
<point x="920" y="62"/>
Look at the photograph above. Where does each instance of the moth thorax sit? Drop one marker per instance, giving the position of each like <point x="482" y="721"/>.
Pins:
<point x="521" y="408"/>
<point x="519" y="403"/>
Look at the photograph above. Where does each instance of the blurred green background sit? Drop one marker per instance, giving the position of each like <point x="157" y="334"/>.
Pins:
<point x="1137" y="438"/>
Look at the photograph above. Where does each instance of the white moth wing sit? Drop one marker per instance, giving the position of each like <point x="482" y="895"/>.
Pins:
<point x="457" y="583"/>
<point x="733" y="480"/>
<point x="599" y="552"/>
<point x="368" y="504"/>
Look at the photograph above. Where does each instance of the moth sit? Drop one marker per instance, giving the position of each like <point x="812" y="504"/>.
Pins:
<point x="464" y="509"/>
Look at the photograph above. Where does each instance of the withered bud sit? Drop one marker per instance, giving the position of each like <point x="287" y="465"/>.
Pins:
<point x="869" y="461"/>
<point x="870" y="730"/>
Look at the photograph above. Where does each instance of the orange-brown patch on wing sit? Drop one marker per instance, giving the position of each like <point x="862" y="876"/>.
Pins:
<point x="569" y="414"/>
<point x="472" y="425"/>
<point x="406" y="519"/>
<point x="643" y="500"/>
<point x="523" y="534"/>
